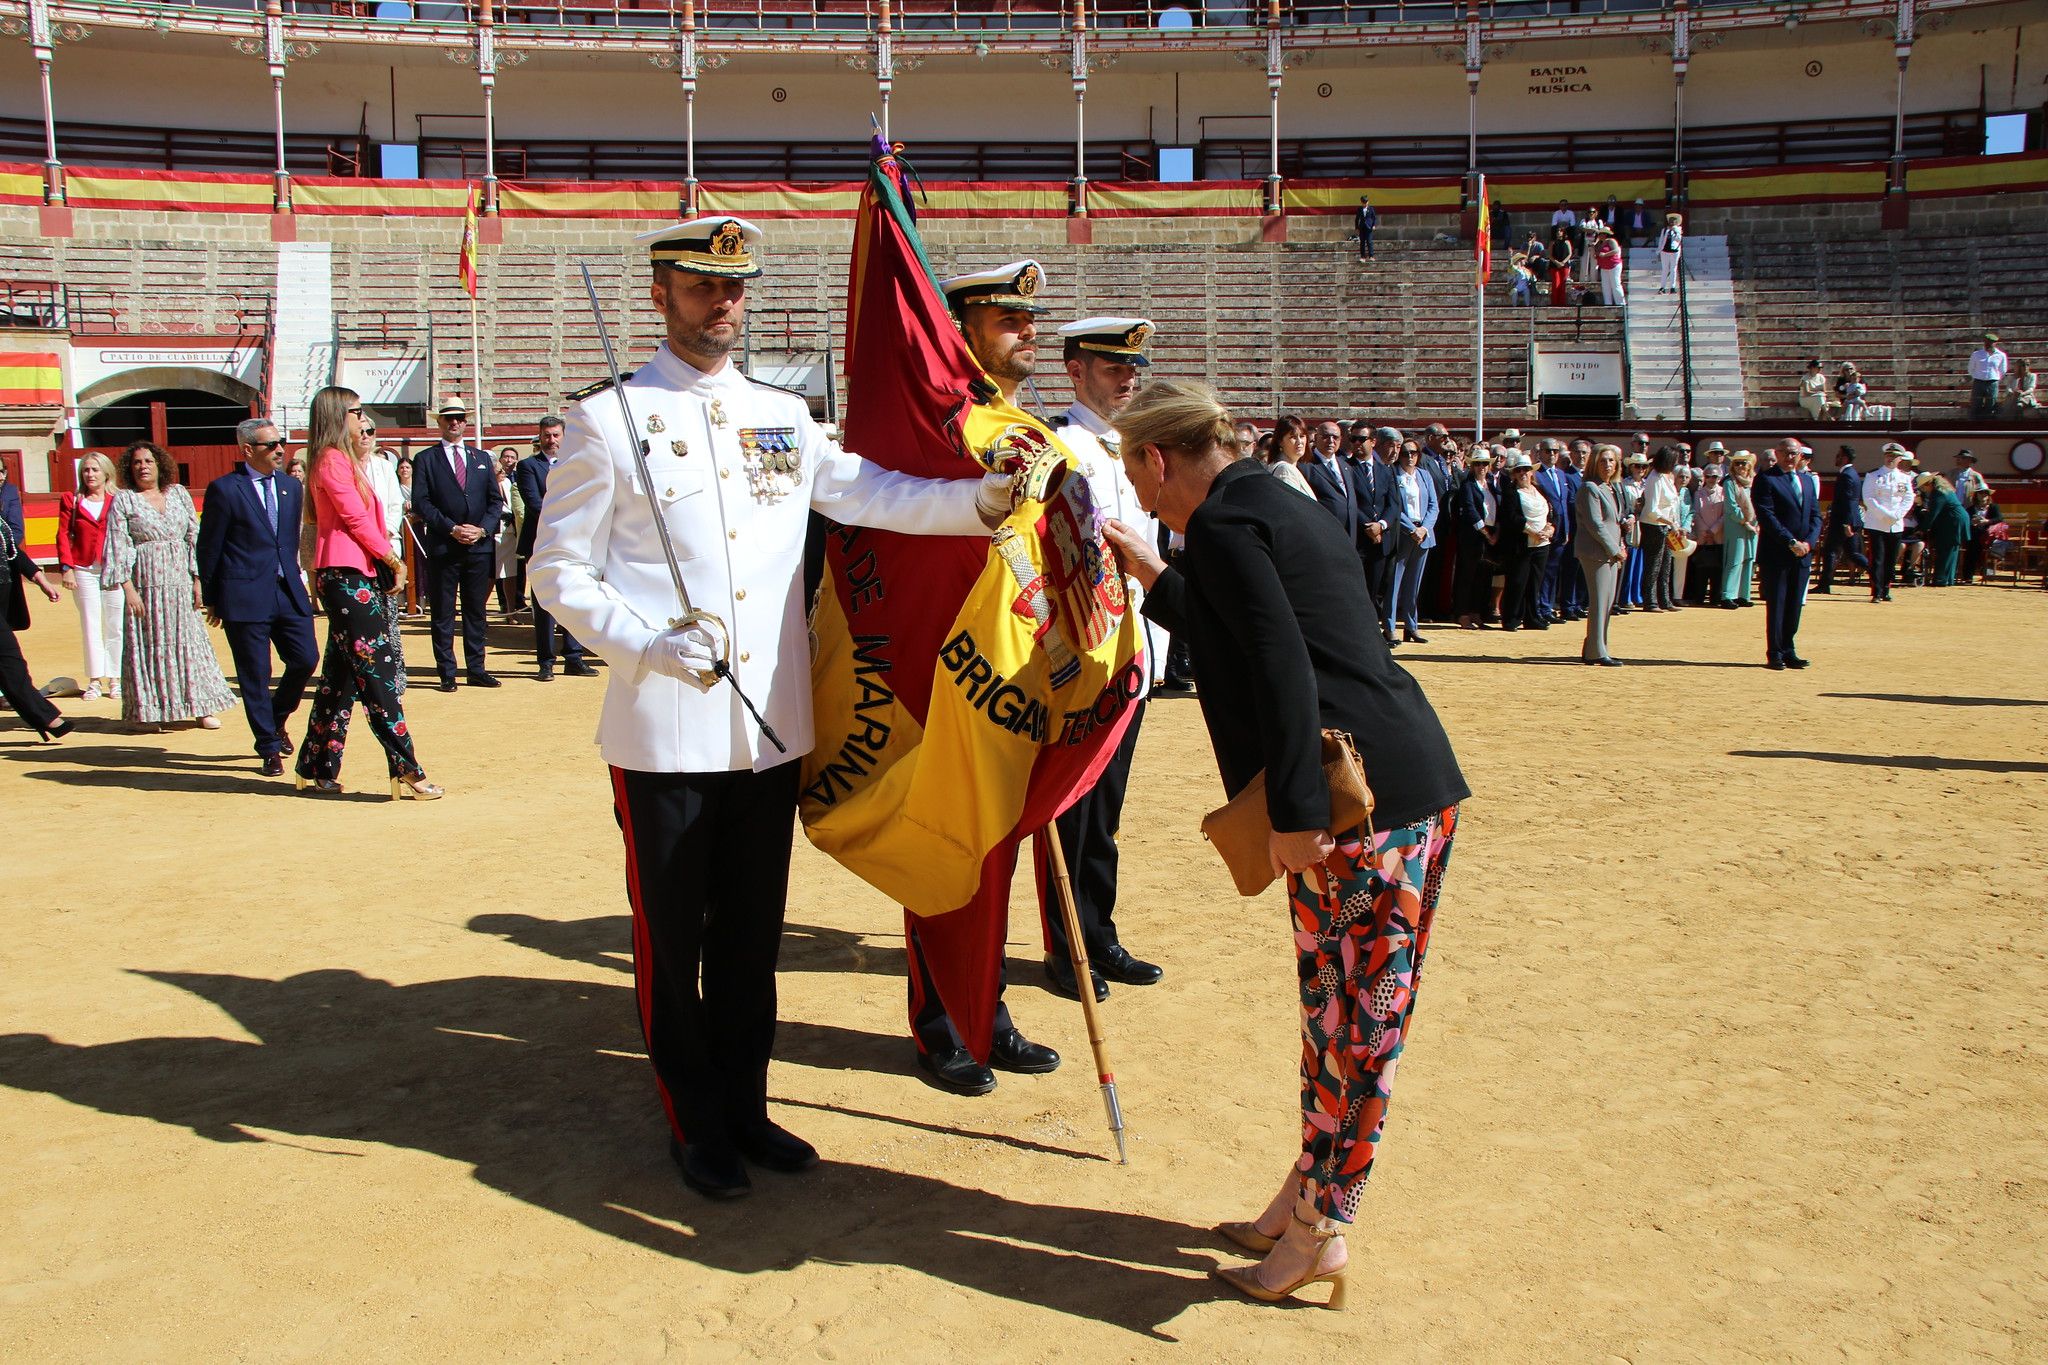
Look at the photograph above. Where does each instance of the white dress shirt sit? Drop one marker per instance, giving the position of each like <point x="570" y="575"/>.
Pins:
<point x="1987" y="364"/>
<point x="598" y="567"/>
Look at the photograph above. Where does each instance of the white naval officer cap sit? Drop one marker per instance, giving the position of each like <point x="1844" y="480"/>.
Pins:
<point x="1015" y="285"/>
<point x="1121" y="339"/>
<point x="720" y="245"/>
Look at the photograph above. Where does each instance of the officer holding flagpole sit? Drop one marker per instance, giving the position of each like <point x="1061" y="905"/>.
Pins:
<point x="671" y="543"/>
<point x="1103" y="356"/>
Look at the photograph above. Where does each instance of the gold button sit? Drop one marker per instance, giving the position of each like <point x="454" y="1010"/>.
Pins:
<point x="732" y="535"/>
<point x="740" y="596"/>
<point x="745" y="657"/>
<point x="725" y="473"/>
<point x="668" y="492"/>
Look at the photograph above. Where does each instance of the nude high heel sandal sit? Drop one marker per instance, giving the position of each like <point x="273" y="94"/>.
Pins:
<point x="1246" y="1235"/>
<point x="415" y="788"/>
<point x="1245" y="1279"/>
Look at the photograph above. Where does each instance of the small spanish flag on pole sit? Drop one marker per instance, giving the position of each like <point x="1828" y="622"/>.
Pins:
<point x="467" y="267"/>
<point x="1482" y="252"/>
<point x="1482" y="245"/>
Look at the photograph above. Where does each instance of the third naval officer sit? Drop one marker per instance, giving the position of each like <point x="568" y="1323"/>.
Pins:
<point x="707" y="803"/>
<point x="1103" y="357"/>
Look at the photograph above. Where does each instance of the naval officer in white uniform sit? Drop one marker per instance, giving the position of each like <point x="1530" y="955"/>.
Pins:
<point x="705" y="800"/>
<point x="1103" y="357"/>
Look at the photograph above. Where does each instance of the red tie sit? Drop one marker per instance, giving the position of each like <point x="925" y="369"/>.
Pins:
<point x="461" y="467"/>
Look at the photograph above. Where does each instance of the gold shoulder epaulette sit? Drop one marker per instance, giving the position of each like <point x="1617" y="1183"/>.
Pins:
<point x="599" y="387"/>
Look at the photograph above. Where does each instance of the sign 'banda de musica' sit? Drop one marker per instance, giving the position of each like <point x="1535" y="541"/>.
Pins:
<point x="1559" y="80"/>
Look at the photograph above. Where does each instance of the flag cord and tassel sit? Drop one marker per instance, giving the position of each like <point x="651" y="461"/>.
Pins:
<point x="1084" y="979"/>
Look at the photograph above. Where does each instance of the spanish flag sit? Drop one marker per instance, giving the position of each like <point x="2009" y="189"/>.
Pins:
<point x="1482" y="245"/>
<point x="467" y="267"/>
<point x="30" y="379"/>
<point x="967" y="689"/>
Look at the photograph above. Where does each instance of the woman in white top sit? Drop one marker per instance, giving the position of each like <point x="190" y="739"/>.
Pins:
<point x="81" y="554"/>
<point x="1670" y="243"/>
<point x="2020" y="386"/>
<point x="1525" y="535"/>
<point x="509" y="598"/>
<point x="1290" y="443"/>
<point x="1887" y="499"/>
<point x="1657" y="513"/>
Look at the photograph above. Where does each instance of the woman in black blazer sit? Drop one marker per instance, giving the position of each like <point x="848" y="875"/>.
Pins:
<point x="16" y="568"/>
<point x="1268" y="594"/>
<point x="1521" y="559"/>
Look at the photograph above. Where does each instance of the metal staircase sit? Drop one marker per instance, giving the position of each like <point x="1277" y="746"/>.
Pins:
<point x="1685" y="340"/>
<point x="302" y="347"/>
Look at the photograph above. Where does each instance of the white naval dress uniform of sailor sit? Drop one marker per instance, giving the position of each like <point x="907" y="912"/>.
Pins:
<point x="706" y="803"/>
<point x="1088" y="828"/>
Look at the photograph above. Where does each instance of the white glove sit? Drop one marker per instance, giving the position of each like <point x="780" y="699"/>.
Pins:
<point x="687" y="653"/>
<point x="993" y="499"/>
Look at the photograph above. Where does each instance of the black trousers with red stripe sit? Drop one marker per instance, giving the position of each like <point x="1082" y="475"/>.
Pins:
<point x="707" y="872"/>
<point x="1088" y="831"/>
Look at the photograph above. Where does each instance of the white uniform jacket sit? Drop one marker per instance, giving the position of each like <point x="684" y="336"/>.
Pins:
<point x="1093" y="441"/>
<point x="736" y="467"/>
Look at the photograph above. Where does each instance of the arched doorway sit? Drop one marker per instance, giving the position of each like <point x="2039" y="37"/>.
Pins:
<point x="200" y="407"/>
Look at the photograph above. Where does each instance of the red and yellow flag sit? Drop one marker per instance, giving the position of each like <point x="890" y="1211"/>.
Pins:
<point x="30" y="379"/>
<point x="1482" y="245"/>
<point x="466" y="268"/>
<point x="966" y="689"/>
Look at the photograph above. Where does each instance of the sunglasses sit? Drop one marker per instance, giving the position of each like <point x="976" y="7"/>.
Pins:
<point x="265" y="445"/>
<point x="355" y="412"/>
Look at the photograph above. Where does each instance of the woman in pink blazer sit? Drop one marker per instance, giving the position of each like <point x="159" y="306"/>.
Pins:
<point x="350" y="553"/>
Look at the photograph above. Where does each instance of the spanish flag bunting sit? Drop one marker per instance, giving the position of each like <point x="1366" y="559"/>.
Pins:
<point x="30" y="379"/>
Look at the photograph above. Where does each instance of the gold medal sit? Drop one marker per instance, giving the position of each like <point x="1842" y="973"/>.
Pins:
<point x="679" y="447"/>
<point x="717" y="413"/>
<point x="654" y="423"/>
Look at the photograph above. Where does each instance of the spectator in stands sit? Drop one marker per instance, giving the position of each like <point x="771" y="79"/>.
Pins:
<point x="354" y="564"/>
<point x="1738" y="532"/>
<point x="1670" y="246"/>
<point x="1536" y="254"/>
<point x="505" y="564"/>
<point x="1610" y="214"/>
<point x="1366" y="221"/>
<point x="1607" y="259"/>
<point x="1562" y="253"/>
<point x="1477" y="512"/>
<point x="1845" y="521"/>
<point x="1503" y="234"/>
<point x="1814" y="399"/>
<point x="1984" y="516"/>
<point x="1416" y="498"/>
<point x="1524" y="278"/>
<point x="1290" y="444"/>
<point x="1887" y="501"/>
<point x="82" y="519"/>
<point x="1563" y="217"/>
<point x="1601" y="551"/>
<point x="1525" y="536"/>
<point x="169" y="674"/>
<point x="16" y="568"/>
<point x="2020" y="389"/>
<point x="1587" y="242"/>
<point x="1945" y="526"/>
<point x="1657" y="514"/>
<point x="1849" y="386"/>
<point x="1987" y="371"/>
<point x="1639" y="224"/>
<point x="1710" y="507"/>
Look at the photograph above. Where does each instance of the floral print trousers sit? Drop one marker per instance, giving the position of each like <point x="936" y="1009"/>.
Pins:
<point x="1361" y="928"/>
<point x="361" y="664"/>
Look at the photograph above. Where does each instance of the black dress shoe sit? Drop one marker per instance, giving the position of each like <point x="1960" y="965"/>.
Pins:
<point x="1610" y="663"/>
<point x="446" y="684"/>
<point x="1118" y="965"/>
<point x="482" y="680"/>
<point x="1776" y="665"/>
<point x="547" y="672"/>
<point x="775" y="1148"/>
<point x="712" y="1170"/>
<point x="1059" y="979"/>
<point x="1794" y="661"/>
<point x="578" y="669"/>
<point x="1012" y="1051"/>
<point x="956" y="1070"/>
<point x="285" y="745"/>
<point x="273" y="766"/>
<point x="1414" y="639"/>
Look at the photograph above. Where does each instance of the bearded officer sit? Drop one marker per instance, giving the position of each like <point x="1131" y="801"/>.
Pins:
<point x="998" y="312"/>
<point x="705" y="800"/>
<point x="1103" y="357"/>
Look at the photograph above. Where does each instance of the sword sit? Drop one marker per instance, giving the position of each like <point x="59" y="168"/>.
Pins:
<point x="690" y="615"/>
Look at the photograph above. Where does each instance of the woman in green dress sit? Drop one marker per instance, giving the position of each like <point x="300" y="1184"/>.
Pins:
<point x="1945" y="525"/>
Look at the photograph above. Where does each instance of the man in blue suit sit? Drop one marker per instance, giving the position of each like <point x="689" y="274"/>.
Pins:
<point x="530" y="477"/>
<point x="455" y="496"/>
<point x="1332" y="479"/>
<point x="1379" y="540"/>
<point x="249" y="580"/>
<point x="1787" y="503"/>
<point x="1845" y="521"/>
<point x="1557" y="491"/>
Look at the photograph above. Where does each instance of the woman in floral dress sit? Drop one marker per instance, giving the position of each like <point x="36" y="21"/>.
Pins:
<point x="169" y="673"/>
<point x="351" y="547"/>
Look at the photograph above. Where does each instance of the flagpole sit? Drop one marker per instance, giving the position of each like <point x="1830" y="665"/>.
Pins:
<point x="476" y="368"/>
<point x="1084" y="982"/>
<point x="1482" y="255"/>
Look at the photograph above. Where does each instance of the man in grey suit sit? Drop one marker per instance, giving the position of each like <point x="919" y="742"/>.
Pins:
<point x="1601" y="550"/>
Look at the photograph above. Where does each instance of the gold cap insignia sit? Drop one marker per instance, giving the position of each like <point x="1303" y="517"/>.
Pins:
<point x="728" y="241"/>
<point x="1027" y="281"/>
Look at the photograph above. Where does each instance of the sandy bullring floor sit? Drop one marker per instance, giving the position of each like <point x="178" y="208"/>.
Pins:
<point x="1733" y="1046"/>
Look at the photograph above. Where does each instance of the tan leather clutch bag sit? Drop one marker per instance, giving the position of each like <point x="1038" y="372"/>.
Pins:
<point x="1240" y="829"/>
